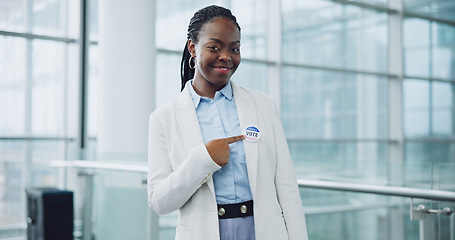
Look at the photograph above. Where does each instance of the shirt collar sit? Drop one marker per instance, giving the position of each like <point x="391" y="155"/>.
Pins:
<point x="194" y="96"/>
<point x="226" y="91"/>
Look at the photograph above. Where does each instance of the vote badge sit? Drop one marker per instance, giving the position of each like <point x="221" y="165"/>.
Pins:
<point x="252" y="134"/>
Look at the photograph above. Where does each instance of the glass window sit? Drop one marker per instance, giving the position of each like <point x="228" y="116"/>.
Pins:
<point x="168" y="82"/>
<point x="443" y="109"/>
<point x="445" y="171"/>
<point x="72" y="92"/>
<point x="12" y="209"/>
<point x="49" y="17"/>
<point x="37" y="91"/>
<point x="330" y="105"/>
<point x="428" y="108"/>
<point x="24" y="164"/>
<point x="443" y="60"/>
<point x="353" y="225"/>
<point x="173" y="17"/>
<point x="251" y="75"/>
<point x="12" y="86"/>
<point x="416" y="99"/>
<point x="73" y="17"/>
<point x="48" y="88"/>
<point x="416" y="46"/>
<point x="93" y="91"/>
<point x="425" y="41"/>
<point x="93" y="20"/>
<point x="366" y="160"/>
<point x="251" y="16"/>
<point x="429" y="152"/>
<point x="12" y="15"/>
<point x="334" y="35"/>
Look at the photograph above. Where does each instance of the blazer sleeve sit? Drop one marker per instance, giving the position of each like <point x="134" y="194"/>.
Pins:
<point x="168" y="188"/>
<point x="286" y="183"/>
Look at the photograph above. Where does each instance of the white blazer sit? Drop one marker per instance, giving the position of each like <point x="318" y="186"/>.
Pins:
<point x="180" y="170"/>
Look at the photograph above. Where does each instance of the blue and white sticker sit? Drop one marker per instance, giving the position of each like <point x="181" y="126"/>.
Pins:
<point x="252" y="134"/>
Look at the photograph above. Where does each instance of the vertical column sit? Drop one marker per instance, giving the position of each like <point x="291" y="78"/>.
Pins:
<point x="426" y="227"/>
<point x="452" y="227"/>
<point x="127" y="97"/>
<point x="27" y="163"/>
<point x="88" y="203"/>
<point x="127" y="53"/>
<point x="395" y="102"/>
<point x="83" y="71"/>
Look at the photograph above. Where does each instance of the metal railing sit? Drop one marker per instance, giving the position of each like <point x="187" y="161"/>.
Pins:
<point x="435" y="195"/>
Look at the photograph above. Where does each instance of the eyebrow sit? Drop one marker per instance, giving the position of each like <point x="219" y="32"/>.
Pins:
<point x="219" y="41"/>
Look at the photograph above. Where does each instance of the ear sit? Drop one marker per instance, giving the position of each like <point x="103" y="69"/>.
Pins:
<point x="191" y="47"/>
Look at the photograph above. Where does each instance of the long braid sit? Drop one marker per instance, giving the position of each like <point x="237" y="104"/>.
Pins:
<point x="201" y="17"/>
<point x="186" y="72"/>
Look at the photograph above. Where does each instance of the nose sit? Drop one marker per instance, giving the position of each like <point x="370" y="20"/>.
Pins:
<point x="225" y="56"/>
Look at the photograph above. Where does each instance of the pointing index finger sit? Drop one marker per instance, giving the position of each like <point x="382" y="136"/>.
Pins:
<point x="234" y="139"/>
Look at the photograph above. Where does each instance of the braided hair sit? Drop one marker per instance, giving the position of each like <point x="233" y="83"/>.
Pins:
<point x="201" y="17"/>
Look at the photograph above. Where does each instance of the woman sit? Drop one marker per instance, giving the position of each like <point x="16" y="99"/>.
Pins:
<point x="217" y="152"/>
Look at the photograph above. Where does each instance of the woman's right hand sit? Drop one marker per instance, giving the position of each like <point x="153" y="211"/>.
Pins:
<point x="219" y="149"/>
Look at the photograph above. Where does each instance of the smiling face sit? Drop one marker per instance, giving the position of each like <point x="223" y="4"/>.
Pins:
<point x="217" y="55"/>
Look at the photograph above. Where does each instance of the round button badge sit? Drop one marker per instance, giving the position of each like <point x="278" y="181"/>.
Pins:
<point x="252" y="134"/>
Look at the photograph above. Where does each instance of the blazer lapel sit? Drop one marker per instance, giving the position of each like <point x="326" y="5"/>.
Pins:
<point x="246" y="109"/>
<point x="189" y="125"/>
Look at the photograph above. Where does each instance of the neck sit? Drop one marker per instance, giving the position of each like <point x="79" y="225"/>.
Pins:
<point x="206" y="90"/>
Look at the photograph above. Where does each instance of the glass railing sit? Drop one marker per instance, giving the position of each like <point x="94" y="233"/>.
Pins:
<point x="345" y="204"/>
<point x="110" y="200"/>
<point x="365" y="214"/>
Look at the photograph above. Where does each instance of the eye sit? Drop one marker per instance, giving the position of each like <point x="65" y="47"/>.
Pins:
<point x="214" y="48"/>
<point x="236" y="50"/>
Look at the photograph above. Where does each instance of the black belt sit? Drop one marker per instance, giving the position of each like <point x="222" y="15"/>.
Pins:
<point x="243" y="209"/>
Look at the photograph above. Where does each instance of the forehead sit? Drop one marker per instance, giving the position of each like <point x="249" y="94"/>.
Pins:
<point x="220" y="28"/>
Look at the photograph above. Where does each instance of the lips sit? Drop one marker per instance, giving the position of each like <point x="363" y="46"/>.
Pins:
<point x="222" y="69"/>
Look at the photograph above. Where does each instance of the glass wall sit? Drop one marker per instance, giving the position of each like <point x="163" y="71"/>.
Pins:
<point x="326" y="63"/>
<point x="428" y="94"/>
<point x="329" y="34"/>
<point x="39" y="94"/>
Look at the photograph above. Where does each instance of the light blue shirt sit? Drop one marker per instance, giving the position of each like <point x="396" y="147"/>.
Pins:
<point x="218" y="118"/>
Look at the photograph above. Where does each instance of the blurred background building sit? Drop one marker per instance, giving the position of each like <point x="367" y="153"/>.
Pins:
<point x="365" y="89"/>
